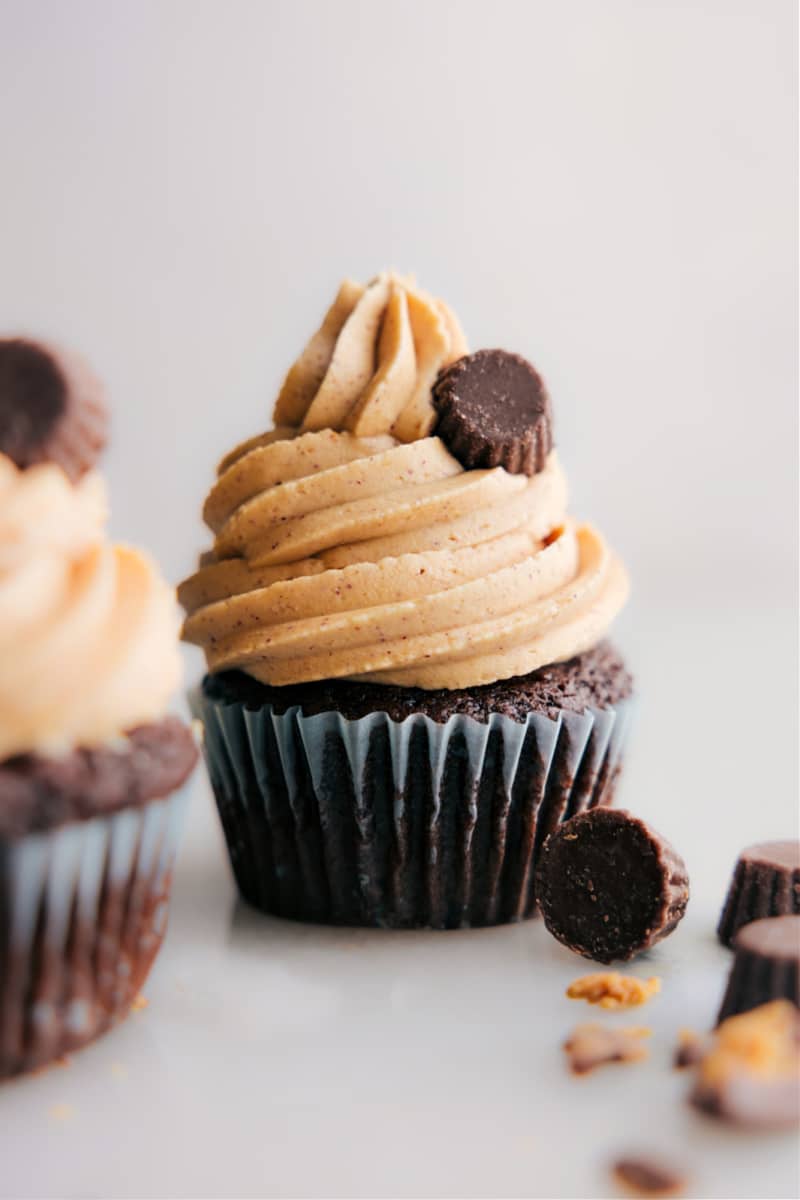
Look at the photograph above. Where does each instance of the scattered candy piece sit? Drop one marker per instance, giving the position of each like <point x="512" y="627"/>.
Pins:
<point x="765" y="883"/>
<point x="590" y="1046"/>
<point x="751" y="1074"/>
<point x="649" y="1177"/>
<point x="610" y="989"/>
<point x="689" y="1050"/>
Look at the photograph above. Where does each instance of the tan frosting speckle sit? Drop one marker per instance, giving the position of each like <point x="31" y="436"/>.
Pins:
<point x="351" y="543"/>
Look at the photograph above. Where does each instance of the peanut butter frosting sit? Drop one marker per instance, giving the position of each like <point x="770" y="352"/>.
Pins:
<point x="350" y="543"/>
<point x="88" y="645"/>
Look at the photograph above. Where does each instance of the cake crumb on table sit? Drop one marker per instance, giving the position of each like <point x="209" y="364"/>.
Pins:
<point x="590" y="1046"/>
<point x="689" y="1050"/>
<point x="645" y="1176"/>
<point x="611" y="989"/>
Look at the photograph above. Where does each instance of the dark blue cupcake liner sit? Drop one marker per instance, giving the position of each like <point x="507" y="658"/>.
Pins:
<point x="400" y="824"/>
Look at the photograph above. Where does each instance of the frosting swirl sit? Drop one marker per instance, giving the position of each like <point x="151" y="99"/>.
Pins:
<point x="88" y="644"/>
<point x="371" y="365"/>
<point x="350" y="543"/>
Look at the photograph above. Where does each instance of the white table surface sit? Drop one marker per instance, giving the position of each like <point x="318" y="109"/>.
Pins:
<point x="276" y="1059"/>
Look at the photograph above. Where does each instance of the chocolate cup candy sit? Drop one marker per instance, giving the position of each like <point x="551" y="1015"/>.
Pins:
<point x="766" y="966"/>
<point x="494" y="411"/>
<point x="610" y="887"/>
<point x="52" y="407"/>
<point x="765" y="883"/>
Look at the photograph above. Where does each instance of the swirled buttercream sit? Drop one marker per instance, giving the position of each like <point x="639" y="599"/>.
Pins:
<point x="370" y="367"/>
<point x="88" y="644"/>
<point x="349" y="542"/>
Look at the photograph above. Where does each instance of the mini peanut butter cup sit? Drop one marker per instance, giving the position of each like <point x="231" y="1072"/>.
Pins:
<point x="609" y="886"/>
<point x="51" y="407"/>
<point x="765" y="883"/>
<point x="766" y="966"/>
<point x="494" y="411"/>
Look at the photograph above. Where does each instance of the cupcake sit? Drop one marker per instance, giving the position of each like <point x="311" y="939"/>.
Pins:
<point x="91" y="764"/>
<point x="409" y="679"/>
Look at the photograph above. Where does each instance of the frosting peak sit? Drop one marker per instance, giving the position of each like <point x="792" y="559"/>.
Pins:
<point x="88" y="645"/>
<point x="370" y="367"/>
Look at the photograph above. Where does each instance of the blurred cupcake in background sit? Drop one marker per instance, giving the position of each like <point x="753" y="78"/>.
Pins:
<point x="91" y="765"/>
<point x="408" y="680"/>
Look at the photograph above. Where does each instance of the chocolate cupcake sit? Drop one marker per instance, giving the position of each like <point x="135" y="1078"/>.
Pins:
<point x="409" y="681"/>
<point x="91" y="764"/>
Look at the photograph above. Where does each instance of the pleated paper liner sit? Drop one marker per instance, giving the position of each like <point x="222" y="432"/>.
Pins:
<point x="400" y="824"/>
<point x="83" y="912"/>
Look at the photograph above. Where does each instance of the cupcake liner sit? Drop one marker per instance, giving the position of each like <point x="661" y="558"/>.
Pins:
<point x="400" y="824"/>
<point x="83" y="911"/>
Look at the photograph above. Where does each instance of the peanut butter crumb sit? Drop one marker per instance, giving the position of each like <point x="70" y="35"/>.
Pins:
<point x="590" y="1046"/>
<point x="610" y="989"/>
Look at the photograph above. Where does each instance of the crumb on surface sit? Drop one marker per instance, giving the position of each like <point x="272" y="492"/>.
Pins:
<point x="139" y="1003"/>
<point x="646" y="1176"/>
<point x="611" y="989"/>
<point x="590" y="1046"/>
<point x="690" y="1049"/>
<point x="61" y="1112"/>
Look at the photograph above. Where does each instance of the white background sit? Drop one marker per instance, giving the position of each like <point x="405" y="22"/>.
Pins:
<point x="608" y="187"/>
